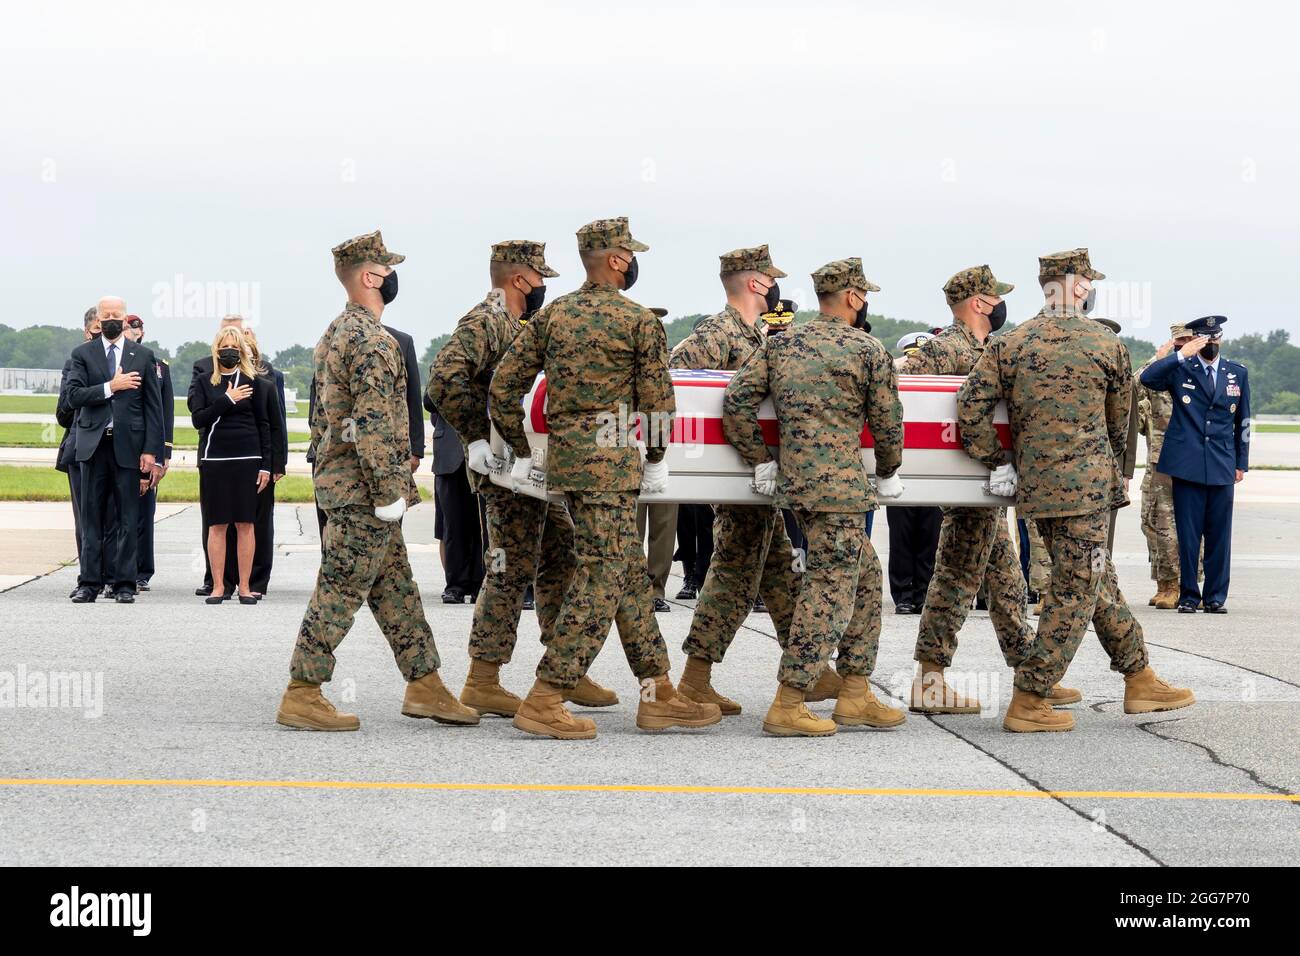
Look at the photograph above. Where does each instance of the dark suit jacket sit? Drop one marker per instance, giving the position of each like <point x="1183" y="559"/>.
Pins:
<point x="66" y="416"/>
<point x="448" y="452"/>
<point x="279" y="423"/>
<point x="164" y="373"/>
<point x="414" y="415"/>
<point x="1207" y="440"/>
<point x="136" y="412"/>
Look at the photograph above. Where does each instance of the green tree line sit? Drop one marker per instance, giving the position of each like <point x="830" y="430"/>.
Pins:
<point x="1273" y="361"/>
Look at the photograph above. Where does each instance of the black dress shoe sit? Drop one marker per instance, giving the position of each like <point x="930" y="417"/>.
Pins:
<point x="1032" y="596"/>
<point x="452" y="596"/>
<point x="981" y="604"/>
<point x="203" y="591"/>
<point x="688" y="592"/>
<point x="1187" y="607"/>
<point x="123" y="596"/>
<point x="918" y="608"/>
<point x="662" y="606"/>
<point x="903" y="608"/>
<point x="142" y="585"/>
<point x="530" y="602"/>
<point x="760" y="607"/>
<point x="216" y="600"/>
<point x="1215" y="607"/>
<point x="84" y="595"/>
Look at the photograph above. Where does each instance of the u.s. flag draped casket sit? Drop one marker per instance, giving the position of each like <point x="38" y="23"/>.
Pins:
<point x="704" y="468"/>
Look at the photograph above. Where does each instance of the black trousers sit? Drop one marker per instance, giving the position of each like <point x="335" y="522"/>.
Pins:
<point x="463" y="525"/>
<point x="144" y="536"/>
<point x="259" y="579"/>
<point x="74" y="489"/>
<point x="694" y="541"/>
<point x="110" y="495"/>
<point x="1203" y="514"/>
<point x="913" y="540"/>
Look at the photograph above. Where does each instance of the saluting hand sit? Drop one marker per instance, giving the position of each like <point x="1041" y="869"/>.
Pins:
<point x="1194" y="346"/>
<point x="1165" y="349"/>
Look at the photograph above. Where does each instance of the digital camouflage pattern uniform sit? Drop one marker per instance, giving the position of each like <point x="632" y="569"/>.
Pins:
<point x="752" y="552"/>
<point x="974" y="545"/>
<point x="1067" y="384"/>
<point x="1040" y="562"/>
<point x="362" y="445"/>
<point x="527" y="538"/>
<point x="606" y="359"/>
<point x="1155" y="410"/>
<point x="826" y="379"/>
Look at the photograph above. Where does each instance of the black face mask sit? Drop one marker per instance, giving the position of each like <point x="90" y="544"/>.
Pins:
<point x="110" y="328"/>
<point x="772" y="298"/>
<point x="998" y="317"/>
<point x="388" y="291"/>
<point x="860" y="318"/>
<point x="1210" y="351"/>
<point x="533" y="301"/>
<point x="629" y="277"/>
<point x="1089" y="301"/>
<point x="228" y="358"/>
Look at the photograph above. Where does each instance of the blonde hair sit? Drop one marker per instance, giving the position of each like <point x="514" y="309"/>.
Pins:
<point x="245" y="354"/>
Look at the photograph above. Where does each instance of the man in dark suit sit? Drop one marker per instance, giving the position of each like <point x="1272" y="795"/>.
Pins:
<point x="149" y="500"/>
<point x="264" y="525"/>
<point x="66" y="416"/>
<point x="414" y="411"/>
<point x="459" y="525"/>
<point x="113" y="386"/>
<point x="1206" y="452"/>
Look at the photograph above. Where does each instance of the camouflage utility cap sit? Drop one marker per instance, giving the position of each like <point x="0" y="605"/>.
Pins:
<point x="367" y="248"/>
<point x="842" y="274"/>
<point x="977" y="280"/>
<point x="608" y="234"/>
<point x="1072" y="262"/>
<point x="753" y="259"/>
<point x="524" y="252"/>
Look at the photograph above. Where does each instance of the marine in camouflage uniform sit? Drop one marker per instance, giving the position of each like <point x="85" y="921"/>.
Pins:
<point x="826" y="379"/>
<point x="361" y="441"/>
<point x="1156" y="408"/>
<point x="974" y="545"/>
<point x="527" y="538"/>
<point x="752" y="554"/>
<point x="1067" y="384"/>
<point x="606" y="361"/>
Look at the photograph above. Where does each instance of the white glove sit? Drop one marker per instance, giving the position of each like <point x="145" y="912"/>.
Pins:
<point x="654" y="479"/>
<point x="391" y="512"/>
<point x="765" y="478"/>
<point x="1003" y="481"/>
<point x="481" y="458"/>
<point x="522" y="472"/>
<point x="890" y="487"/>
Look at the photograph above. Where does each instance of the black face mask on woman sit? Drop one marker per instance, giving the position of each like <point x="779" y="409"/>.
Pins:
<point x="228" y="358"/>
<point x="998" y="317"/>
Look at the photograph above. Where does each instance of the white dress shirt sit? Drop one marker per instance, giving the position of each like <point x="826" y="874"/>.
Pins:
<point x="108" y="390"/>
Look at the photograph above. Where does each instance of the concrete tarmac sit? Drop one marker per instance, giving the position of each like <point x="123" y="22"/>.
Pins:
<point x="169" y="753"/>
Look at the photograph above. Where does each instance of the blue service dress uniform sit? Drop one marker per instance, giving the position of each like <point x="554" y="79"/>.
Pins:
<point x="1207" y="442"/>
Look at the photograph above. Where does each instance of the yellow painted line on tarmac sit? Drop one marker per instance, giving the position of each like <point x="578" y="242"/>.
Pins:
<point x="637" y="788"/>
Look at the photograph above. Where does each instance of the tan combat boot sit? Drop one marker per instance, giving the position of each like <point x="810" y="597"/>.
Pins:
<point x="305" y="708"/>
<point x="788" y="717"/>
<point x="483" y="690"/>
<point x="1166" y="598"/>
<point x="543" y="713"/>
<point x="827" y="686"/>
<point x="932" y="695"/>
<point x="857" y="706"/>
<point x="1145" y="693"/>
<point x="1060" y="696"/>
<point x="1030" y="713"/>
<point x="588" y="693"/>
<point x="695" y="685"/>
<point x="667" y="708"/>
<point x="428" y="696"/>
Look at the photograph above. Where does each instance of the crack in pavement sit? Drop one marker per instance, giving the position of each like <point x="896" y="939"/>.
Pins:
<point x="1214" y="757"/>
<point x="1206" y="657"/>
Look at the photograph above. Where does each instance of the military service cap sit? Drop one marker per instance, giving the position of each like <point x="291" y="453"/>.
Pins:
<point x="753" y="259"/>
<point x="912" y="341"/>
<point x="1072" y="262"/>
<point x="608" y="234"/>
<point x="659" y="313"/>
<point x="1211" y="325"/>
<point x="525" y="252"/>
<point x="367" y="248"/>
<point x="977" y="280"/>
<point x="780" y="318"/>
<point x="842" y="274"/>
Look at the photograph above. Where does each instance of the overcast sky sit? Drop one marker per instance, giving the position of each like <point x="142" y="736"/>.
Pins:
<point x="228" y="146"/>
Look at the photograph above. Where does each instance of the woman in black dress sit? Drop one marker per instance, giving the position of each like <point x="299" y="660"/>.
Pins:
<point x="232" y="413"/>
